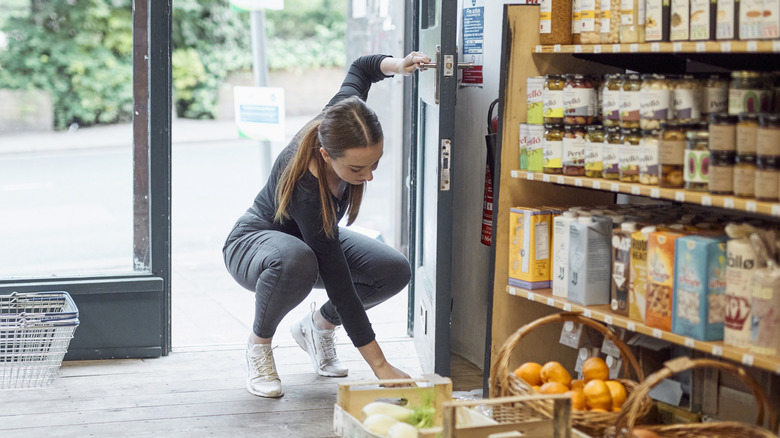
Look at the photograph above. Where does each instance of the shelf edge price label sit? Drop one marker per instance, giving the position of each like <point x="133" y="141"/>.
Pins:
<point x="775" y="46"/>
<point x="597" y="49"/>
<point x="566" y="307"/>
<point x="512" y="291"/>
<point x="748" y="359"/>
<point x="655" y="47"/>
<point x="752" y="46"/>
<point x="538" y="49"/>
<point x="631" y="326"/>
<point x="608" y="319"/>
<point x="655" y="193"/>
<point x="677" y="47"/>
<point x="614" y="187"/>
<point x="706" y="201"/>
<point x="531" y="296"/>
<point x="578" y="182"/>
<point x="679" y="196"/>
<point x="635" y="190"/>
<point x="546" y="178"/>
<point x="597" y="185"/>
<point x="633" y="48"/>
<point x="515" y="174"/>
<point x="529" y="176"/>
<point x="578" y="48"/>
<point x="751" y="206"/>
<point x="701" y="47"/>
<point x="587" y="313"/>
<point x="725" y="47"/>
<point x="776" y="210"/>
<point x="717" y="350"/>
<point x="728" y="203"/>
<point x="689" y="342"/>
<point x="657" y="333"/>
<point x="616" y="48"/>
<point x="550" y="302"/>
<point x="561" y="180"/>
<point x="557" y="48"/>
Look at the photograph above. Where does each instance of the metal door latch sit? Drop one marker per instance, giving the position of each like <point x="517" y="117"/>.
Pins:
<point x="446" y="161"/>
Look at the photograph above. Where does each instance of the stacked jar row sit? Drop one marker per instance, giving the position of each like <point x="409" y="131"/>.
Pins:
<point x="638" y="21"/>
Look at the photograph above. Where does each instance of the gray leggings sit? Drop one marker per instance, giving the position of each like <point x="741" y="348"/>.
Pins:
<point x="282" y="270"/>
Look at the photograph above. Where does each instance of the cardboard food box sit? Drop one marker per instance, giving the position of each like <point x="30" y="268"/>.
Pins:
<point x="699" y="287"/>
<point x="660" y="279"/>
<point x="530" y="232"/>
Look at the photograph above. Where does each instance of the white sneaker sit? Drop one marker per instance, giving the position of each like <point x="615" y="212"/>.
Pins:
<point x="262" y="379"/>
<point x="321" y="346"/>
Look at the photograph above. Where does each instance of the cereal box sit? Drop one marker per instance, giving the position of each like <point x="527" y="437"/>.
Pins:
<point x="637" y="291"/>
<point x="699" y="299"/>
<point x="742" y="262"/>
<point x="529" y="247"/>
<point x="660" y="279"/>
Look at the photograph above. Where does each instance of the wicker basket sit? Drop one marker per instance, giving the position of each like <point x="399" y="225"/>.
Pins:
<point x="503" y="382"/>
<point x="718" y="429"/>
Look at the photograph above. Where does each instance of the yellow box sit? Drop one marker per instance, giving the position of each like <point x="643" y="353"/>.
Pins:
<point x="530" y="261"/>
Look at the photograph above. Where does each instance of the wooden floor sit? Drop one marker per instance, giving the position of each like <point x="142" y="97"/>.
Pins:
<point x="195" y="392"/>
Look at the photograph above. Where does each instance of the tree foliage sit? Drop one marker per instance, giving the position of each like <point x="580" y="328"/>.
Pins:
<point x="82" y="51"/>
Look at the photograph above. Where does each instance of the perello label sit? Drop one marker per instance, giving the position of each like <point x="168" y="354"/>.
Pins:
<point x="686" y="103"/>
<point x="715" y="99"/>
<point x="553" y="103"/>
<point x="654" y="104"/>
<point x="611" y="104"/>
<point x="573" y="151"/>
<point x="609" y="157"/>
<point x="577" y="102"/>
<point x="553" y="152"/>
<point x="629" y="105"/>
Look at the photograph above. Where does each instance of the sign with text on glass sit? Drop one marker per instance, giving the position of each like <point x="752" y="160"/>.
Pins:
<point x="257" y="5"/>
<point x="259" y="112"/>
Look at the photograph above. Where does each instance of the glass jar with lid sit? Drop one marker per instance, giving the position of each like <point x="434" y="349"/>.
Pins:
<point x="750" y="92"/>
<point x="697" y="161"/>
<point x="610" y="99"/>
<point x="686" y="97"/>
<point x="632" y="21"/>
<point x="655" y="101"/>
<point x="671" y="154"/>
<point x="594" y="142"/>
<point x="610" y="153"/>
<point x="629" y="155"/>
<point x="629" y="100"/>
<point x="579" y="105"/>
<point x="768" y="158"/>
<point x="552" y="160"/>
<point x="552" y="99"/>
<point x="574" y="150"/>
<point x="555" y="22"/>
<point x="714" y="94"/>
<point x="576" y="21"/>
<point x="648" y="162"/>
<point x="745" y="161"/>
<point x="723" y="132"/>
<point x="723" y="139"/>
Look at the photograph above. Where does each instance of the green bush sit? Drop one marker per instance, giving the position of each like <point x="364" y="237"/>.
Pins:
<point x="81" y="51"/>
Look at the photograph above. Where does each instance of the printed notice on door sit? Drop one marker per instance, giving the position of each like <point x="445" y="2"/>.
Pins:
<point x="472" y="39"/>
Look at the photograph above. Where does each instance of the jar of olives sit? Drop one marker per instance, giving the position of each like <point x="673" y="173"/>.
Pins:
<point x="697" y="161"/>
<point x="629" y="155"/>
<point x="750" y="92"/>
<point x="610" y="99"/>
<point x="714" y="94"/>
<point x="610" y="153"/>
<point x="686" y="92"/>
<point x="579" y="105"/>
<point x="648" y="160"/>
<point x="655" y="103"/>
<point x="671" y="154"/>
<point x="594" y="142"/>
<point x="574" y="150"/>
<point x="552" y="160"/>
<point x="629" y="100"/>
<point x="552" y="99"/>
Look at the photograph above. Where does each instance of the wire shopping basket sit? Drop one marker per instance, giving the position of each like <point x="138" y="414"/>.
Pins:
<point x="35" y="330"/>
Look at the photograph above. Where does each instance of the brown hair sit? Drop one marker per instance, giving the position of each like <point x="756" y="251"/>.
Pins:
<point x="347" y="124"/>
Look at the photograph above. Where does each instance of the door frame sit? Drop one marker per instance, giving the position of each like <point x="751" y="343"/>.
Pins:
<point x="124" y="316"/>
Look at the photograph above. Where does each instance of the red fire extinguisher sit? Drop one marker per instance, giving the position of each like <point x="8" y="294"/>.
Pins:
<point x="487" y="202"/>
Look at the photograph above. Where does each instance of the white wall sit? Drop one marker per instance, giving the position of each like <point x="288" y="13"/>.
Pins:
<point x="471" y="270"/>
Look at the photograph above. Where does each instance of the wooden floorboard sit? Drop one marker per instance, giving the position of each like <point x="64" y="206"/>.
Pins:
<point x="196" y="392"/>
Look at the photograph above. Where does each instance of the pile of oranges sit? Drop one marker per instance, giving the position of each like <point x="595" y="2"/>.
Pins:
<point x="594" y="393"/>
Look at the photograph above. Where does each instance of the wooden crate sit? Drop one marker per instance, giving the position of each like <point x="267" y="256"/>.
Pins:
<point x="353" y="396"/>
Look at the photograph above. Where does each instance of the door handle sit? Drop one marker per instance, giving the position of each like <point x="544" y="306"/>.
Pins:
<point x="449" y="68"/>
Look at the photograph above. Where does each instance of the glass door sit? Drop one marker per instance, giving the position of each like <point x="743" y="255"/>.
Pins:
<point x="85" y="168"/>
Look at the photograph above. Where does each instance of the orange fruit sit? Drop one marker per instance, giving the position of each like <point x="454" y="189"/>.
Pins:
<point x="530" y="372"/>
<point x="617" y="391"/>
<point x="554" y="388"/>
<point x="577" y="384"/>
<point x="598" y="410"/>
<point x="577" y="400"/>
<point x="555" y="372"/>
<point x="537" y="388"/>
<point x="597" y="395"/>
<point x="595" y="368"/>
<point x="616" y="409"/>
